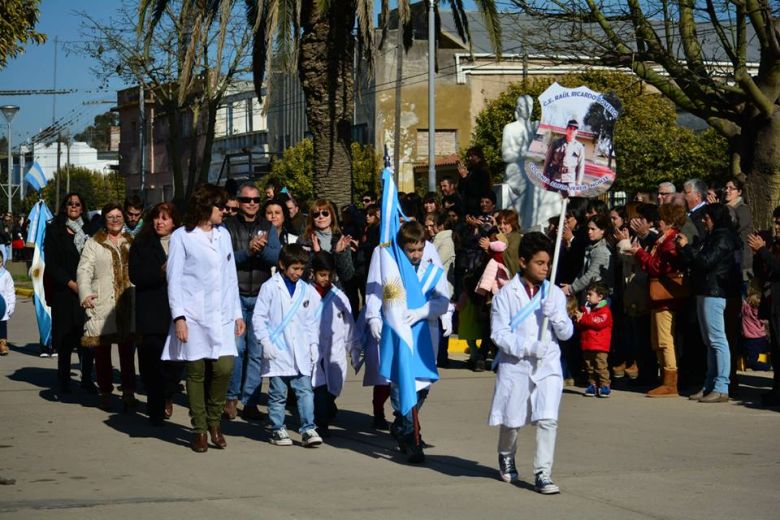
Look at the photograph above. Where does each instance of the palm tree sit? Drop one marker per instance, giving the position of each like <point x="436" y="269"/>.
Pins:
<point x="315" y="37"/>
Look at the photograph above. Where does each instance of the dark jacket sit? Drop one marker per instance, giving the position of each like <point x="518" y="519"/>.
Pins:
<point x="345" y="270"/>
<point x="714" y="264"/>
<point x="766" y="267"/>
<point x="152" y="312"/>
<point x="63" y="261"/>
<point x="253" y="270"/>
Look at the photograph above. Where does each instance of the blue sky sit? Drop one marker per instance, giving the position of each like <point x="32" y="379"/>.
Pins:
<point x="34" y="69"/>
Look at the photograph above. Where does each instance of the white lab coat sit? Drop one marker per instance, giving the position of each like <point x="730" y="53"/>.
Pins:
<point x="527" y="389"/>
<point x="438" y="302"/>
<point x="8" y="292"/>
<point x="336" y="327"/>
<point x="300" y="351"/>
<point x="202" y="287"/>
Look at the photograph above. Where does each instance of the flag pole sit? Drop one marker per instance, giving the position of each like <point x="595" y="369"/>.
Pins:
<point x="556" y="254"/>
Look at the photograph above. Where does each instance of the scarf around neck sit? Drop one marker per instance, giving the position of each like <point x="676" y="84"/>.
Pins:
<point x="79" y="238"/>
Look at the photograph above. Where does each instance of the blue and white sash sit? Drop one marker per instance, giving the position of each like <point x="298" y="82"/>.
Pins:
<point x="530" y="308"/>
<point x="277" y="335"/>
<point x="325" y="302"/>
<point x="430" y="279"/>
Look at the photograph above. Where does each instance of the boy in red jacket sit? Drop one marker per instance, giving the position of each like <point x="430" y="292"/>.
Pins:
<point x="594" y="320"/>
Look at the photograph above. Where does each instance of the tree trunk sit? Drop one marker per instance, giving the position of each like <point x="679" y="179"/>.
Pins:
<point x="761" y="162"/>
<point x="325" y="68"/>
<point x="208" y="139"/>
<point x="174" y="151"/>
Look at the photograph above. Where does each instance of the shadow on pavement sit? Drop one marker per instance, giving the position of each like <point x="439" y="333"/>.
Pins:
<point x="352" y="431"/>
<point x="29" y="349"/>
<point x="135" y="425"/>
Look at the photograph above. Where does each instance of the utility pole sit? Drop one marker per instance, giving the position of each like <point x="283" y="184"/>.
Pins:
<point x="57" y="196"/>
<point x="67" y="164"/>
<point x="432" y="96"/>
<point x="54" y="89"/>
<point x="142" y="140"/>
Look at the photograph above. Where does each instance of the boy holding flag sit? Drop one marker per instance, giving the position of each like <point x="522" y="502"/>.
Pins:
<point x="406" y="294"/>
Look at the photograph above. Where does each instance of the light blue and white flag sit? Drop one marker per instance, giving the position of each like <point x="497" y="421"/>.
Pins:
<point x="406" y="354"/>
<point x="36" y="177"/>
<point x="39" y="217"/>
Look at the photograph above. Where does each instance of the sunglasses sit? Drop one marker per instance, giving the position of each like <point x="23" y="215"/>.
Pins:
<point x="231" y="209"/>
<point x="74" y="204"/>
<point x="324" y="213"/>
<point x="248" y="200"/>
<point x="367" y="200"/>
<point x="221" y="207"/>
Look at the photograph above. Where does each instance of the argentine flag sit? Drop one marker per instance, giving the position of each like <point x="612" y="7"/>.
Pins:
<point x="39" y="217"/>
<point x="36" y="177"/>
<point x="406" y="354"/>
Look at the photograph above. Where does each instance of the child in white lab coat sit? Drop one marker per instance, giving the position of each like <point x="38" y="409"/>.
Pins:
<point x="336" y="327"/>
<point x="7" y="303"/>
<point x="284" y="313"/>
<point x="529" y="380"/>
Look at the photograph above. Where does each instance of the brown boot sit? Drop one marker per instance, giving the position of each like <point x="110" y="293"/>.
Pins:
<point x="168" y="410"/>
<point x="619" y="371"/>
<point x="231" y="409"/>
<point x="632" y="371"/>
<point x="216" y="437"/>
<point x="3" y="347"/>
<point x="199" y="443"/>
<point x="669" y="386"/>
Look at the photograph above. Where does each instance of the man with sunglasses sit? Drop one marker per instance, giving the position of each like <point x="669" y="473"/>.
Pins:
<point x="256" y="247"/>
<point x="231" y="207"/>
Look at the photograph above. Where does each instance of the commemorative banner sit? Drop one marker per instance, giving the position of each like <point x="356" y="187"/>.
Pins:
<point x="572" y="152"/>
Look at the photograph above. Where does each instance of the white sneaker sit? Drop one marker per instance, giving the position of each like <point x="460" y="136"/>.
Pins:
<point x="311" y="439"/>
<point x="281" y="438"/>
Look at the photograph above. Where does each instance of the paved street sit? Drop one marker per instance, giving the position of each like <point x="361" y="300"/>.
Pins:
<point x="627" y="457"/>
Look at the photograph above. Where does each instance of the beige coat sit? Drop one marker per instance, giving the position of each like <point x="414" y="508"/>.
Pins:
<point x="103" y="272"/>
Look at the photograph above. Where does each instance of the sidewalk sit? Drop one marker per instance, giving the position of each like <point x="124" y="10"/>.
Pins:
<point x="627" y="457"/>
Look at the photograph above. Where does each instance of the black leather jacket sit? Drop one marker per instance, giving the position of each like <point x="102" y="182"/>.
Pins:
<point x="714" y="264"/>
<point x="252" y="270"/>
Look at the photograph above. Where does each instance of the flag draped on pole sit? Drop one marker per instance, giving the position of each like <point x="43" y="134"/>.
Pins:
<point x="406" y="354"/>
<point x="36" y="177"/>
<point x="39" y="217"/>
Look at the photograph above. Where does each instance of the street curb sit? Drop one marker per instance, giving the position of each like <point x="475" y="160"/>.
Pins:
<point x="21" y="291"/>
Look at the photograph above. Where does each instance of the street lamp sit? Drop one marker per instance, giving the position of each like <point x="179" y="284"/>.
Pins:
<point x="9" y="111"/>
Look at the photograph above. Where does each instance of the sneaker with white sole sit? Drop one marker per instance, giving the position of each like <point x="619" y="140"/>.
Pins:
<point x="545" y="485"/>
<point x="281" y="438"/>
<point x="506" y="468"/>
<point x="311" y="439"/>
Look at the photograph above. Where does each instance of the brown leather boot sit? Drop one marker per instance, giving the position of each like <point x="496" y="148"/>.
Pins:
<point x="619" y="371"/>
<point x="231" y="409"/>
<point x="669" y="386"/>
<point x="216" y="437"/>
<point x="199" y="443"/>
<point x="3" y="347"/>
<point x="632" y="371"/>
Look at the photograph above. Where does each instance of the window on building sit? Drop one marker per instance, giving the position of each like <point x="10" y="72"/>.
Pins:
<point x="360" y="133"/>
<point x="446" y="142"/>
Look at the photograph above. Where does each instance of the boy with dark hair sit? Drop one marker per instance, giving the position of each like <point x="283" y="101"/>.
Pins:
<point x="335" y="328"/>
<point x="133" y="210"/>
<point x="284" y="313"/>
<point x="528" y="318"/>
<point x="594" y="320"/>
<point x="423" y="321"/>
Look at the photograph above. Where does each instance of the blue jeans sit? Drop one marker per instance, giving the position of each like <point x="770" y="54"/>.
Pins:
<point x="277" y="399"/>
<point x="713" y="332"/>
<point x="247" y="345"/>
<point x="404" y="424"/>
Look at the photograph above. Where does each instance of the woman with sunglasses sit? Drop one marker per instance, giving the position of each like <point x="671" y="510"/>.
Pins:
<point x="64" y="241"/>
<point x="323" y="234"/>
<point x="206" y="311"/>
<point x="107" y="296"/>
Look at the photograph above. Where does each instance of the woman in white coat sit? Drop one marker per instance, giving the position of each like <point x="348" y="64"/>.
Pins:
<point x="206" y="311"/>
<point x="529" y="380"/>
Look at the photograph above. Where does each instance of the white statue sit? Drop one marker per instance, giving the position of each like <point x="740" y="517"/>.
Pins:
<point x="534" y="205"/>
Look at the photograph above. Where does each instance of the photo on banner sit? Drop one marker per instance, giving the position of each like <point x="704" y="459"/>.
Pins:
<point x="573" y="150"/>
